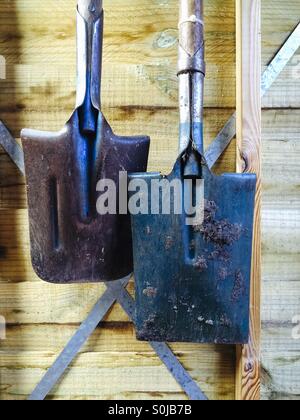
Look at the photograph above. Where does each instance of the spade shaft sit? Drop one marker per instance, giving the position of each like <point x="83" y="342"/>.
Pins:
<point x="89" y="63"/>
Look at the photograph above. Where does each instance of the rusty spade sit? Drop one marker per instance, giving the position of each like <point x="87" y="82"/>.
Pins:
<point x="193" y="276"/>
<point x="70" y="241"/>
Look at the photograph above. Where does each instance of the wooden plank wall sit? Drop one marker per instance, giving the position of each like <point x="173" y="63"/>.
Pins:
<point x="281" y="210"/>
<point x="140" y="95"/>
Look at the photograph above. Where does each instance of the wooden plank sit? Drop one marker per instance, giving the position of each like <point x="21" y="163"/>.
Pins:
<point x="111" y="365"/>
<point x="281" y="251"/>
<point x="282" y="16"/>
<point x="281" y="292"/>
<point x="281" y="362"/>
<point x="249" y="160"/>
<point x="277" y="24"/>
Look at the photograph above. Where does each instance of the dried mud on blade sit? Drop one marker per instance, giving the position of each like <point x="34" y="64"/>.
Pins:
<point x="193" y="282"/>
<point x="70" y="241"/>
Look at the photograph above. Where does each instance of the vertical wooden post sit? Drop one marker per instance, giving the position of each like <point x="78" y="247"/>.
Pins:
<point x="248" y="37"/>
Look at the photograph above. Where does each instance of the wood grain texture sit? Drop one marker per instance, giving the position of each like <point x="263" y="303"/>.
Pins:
<point x="140" y="95"/>
<point x="248" y="36"/>
<point x="281" y="255"/>
<point x="111" y="365"/>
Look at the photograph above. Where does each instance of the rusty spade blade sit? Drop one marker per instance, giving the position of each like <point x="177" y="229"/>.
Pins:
<point x="70" y="241"/>
<point x="193" y="277"/>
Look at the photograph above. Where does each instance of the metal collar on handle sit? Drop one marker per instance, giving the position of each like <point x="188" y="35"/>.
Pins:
<point x="191" y="36"/>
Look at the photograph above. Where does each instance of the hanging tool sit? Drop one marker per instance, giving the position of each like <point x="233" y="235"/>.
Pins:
<point x="193" y="279"/>
<point x="70" y="241"/>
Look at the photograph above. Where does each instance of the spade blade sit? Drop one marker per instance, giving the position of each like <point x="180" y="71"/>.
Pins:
<point x="193" y="282"/>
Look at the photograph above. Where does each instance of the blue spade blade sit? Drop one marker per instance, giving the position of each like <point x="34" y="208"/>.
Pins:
<point x="193" y="282"/>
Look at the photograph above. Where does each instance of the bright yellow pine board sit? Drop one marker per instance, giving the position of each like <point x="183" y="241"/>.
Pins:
<point x="140" y="96"/>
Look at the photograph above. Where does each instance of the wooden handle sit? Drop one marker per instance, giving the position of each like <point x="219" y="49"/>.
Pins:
<point x="191" y="37"/>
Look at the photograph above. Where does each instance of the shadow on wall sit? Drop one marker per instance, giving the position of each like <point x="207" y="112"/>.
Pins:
<point x="12" y="204"/>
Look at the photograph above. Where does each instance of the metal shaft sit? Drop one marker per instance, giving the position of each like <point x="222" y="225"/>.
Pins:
<point x="89" y="61"/>
<point x="191" y="73"/>
<point x="90" y="10"/>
